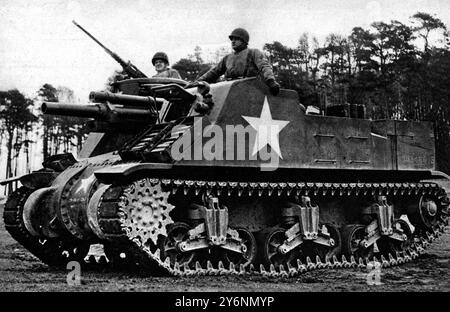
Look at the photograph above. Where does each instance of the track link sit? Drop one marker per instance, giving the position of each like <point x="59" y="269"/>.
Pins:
<point x="113" y="221"/>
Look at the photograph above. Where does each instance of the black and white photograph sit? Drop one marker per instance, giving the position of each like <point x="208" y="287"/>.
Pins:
<point x="225" y="152"/>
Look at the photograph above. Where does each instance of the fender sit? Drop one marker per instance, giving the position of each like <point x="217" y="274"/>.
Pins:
<point x="113" y="174"/>
<point x="33" y="180"/>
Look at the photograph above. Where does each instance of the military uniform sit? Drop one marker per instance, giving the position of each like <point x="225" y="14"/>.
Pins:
<point x="241" y="64"/>
<point x="169" y="73"/>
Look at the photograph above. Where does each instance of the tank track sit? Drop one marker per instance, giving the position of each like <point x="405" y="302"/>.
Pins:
<point x="55" y="252"/>
<point x="112" y="220"/>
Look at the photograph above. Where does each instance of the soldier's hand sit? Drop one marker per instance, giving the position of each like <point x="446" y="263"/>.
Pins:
<point x="274" y="87"/>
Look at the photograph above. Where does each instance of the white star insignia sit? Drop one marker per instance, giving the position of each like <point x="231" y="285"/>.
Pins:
<point x="267" y="130"/>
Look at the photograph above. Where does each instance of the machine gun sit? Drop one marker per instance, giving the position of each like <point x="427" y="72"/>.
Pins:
<point x="128" y="67"/>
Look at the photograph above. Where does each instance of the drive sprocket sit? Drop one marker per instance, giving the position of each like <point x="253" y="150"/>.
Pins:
<point x="145" y="210"/>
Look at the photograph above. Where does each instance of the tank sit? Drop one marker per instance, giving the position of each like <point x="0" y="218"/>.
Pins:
<point x="229" y="179"/>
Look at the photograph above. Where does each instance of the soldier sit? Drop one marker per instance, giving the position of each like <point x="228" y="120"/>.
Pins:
<point x="244" y="62"/>
<point x="161" y="63"/>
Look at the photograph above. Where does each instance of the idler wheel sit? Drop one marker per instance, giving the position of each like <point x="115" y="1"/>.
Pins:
<point x="270" y="241"/>
<point x="388" y="245"/>
<point x="352" y="235"/>
<point x="425" y="214"/>
<point x="248" y="255"/>
<point x="176" y="233"/>
<point x="325" y="252"/>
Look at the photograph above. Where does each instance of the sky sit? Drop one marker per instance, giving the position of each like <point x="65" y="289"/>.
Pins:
<point x="39" y="44"/>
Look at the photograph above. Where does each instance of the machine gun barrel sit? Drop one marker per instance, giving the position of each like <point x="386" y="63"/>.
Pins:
<point x="100" y="112"/>
<point x="125" y="99"/>
<point x="128" y="67"/>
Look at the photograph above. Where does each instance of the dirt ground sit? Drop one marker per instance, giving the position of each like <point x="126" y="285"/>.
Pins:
<point x="20" y="271"/>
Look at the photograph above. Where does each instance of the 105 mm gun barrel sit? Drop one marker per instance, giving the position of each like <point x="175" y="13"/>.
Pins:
<point x="100" y="112"/>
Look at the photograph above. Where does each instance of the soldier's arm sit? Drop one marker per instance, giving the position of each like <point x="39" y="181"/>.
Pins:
<point x="263" y="65"/>
<point x="214" y="73"/>
<point x="174" y="74"/>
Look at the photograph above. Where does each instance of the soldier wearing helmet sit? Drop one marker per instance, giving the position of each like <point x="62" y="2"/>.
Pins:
<point x="161" y="63"/>
<point x="243" y="62"/>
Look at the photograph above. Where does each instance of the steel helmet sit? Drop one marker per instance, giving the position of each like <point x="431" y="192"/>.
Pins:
<point x="160" y="56"/>
<point x="240" y="33"/>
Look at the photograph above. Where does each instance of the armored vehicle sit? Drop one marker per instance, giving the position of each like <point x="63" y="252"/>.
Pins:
<point x="228" y="178"/>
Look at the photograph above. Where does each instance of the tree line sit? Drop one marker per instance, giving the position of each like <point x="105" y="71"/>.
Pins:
<point x="398" y="71"/>
<point x="23" y="128"/>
